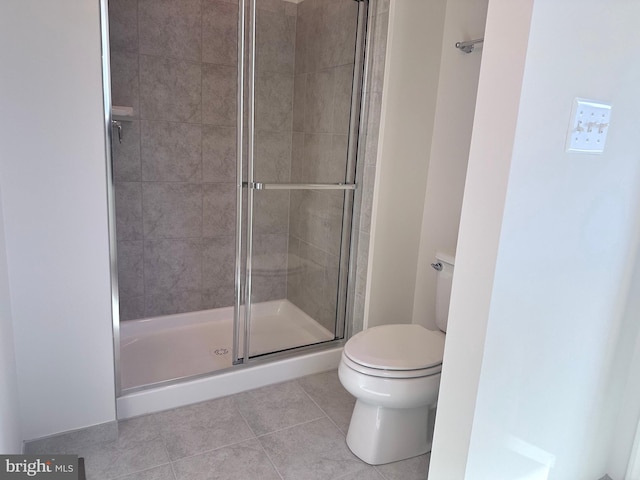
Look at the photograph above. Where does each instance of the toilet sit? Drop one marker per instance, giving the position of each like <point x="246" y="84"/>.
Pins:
<point x="394" y="373"/>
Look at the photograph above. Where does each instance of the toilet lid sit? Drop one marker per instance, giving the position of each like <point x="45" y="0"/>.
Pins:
<point x="396" y="347"/>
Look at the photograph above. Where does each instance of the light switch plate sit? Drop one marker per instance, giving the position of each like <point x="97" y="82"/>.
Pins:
<point x="589" y="126"/>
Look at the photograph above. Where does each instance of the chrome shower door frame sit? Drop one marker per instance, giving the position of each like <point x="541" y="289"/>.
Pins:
<point x="111" y="203"/>
<point x="242" y="310"/>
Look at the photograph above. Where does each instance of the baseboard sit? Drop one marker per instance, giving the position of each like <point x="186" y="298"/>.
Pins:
<point x="69" y="442"/>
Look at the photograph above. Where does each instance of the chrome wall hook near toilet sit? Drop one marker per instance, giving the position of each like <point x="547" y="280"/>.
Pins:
<point x="437" y="266"/>
<point x="470" y="46"/>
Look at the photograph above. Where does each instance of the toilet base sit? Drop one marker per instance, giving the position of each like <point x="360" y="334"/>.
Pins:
<point x="379" y="435"/>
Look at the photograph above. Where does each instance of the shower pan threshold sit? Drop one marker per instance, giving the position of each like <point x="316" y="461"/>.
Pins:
<point x="181" y="343"/>
<point x="176" y="346"/>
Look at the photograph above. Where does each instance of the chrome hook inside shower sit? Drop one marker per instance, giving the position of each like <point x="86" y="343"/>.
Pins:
<point x="437" y="266"/>
<point x="118" y="125"/>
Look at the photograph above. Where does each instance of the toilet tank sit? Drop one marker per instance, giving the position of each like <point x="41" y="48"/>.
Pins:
<point x="443" y="289"/>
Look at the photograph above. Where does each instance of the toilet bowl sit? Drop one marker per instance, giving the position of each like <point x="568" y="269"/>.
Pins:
<point x="394" y="373"/>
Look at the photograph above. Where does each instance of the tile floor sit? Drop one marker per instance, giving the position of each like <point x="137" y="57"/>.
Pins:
<point x="290" y="431"/>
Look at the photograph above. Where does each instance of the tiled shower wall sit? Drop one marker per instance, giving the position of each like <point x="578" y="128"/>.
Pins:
<point x="175" y="168"/>
<point x="175" y="63"/>
<point x="275" y="57"/>
<point x="324" y="62"/>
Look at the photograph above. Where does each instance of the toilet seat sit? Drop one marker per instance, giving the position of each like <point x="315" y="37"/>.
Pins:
<point x="395" y="351"/>
<point x="393" y="374"/>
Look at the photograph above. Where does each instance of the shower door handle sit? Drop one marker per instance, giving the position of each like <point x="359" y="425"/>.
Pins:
<point x="300" y="186"/>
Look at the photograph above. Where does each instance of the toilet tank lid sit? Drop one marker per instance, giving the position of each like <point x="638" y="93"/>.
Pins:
<point x="396" y="347"/>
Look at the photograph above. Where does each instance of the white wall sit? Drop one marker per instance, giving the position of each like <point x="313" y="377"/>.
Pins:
<point x="10" y="431"/>
<point x="481" y="218"/>
<point x="53" y="177"/>
<point x="458" y="83"/>
<point x="624" y="410"/>
<point x="408" y="104"/>
<point x="541" y="310"/>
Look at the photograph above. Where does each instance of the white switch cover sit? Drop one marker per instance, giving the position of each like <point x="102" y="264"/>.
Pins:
<point x="589" y="126"/>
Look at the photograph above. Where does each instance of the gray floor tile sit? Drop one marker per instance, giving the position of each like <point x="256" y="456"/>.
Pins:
<point x="326" y="390"/>
<point x="212" y="440"/>
<point x="164" y="472"/>
<point x="416" y="468"/>
<point x="245" y="460"/>
<point x="114" y="459"/>
<point x="202" y="427"/>
<point x="138" y="429"/>
<point x="69" y="442"/>
<point x="139" y="447"/>
<point x="367" y="473"/>
<point x="276" y="407"/>
<point x="314" y="450"/>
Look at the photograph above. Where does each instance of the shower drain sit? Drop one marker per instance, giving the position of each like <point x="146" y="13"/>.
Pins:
<point x="219" y="351"/>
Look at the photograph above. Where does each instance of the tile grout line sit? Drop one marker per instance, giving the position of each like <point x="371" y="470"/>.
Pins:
<point x="278" y="430"/>
<point x="270" y="461"/>
<point x="235" y="405"/>
<point x="166" y="449"/>
<point x="290" y="427"/>
<point x="340" y="430"/>
<point x="119" y="477"/>
<point x="213" y="449"/>
<point x="173" y="470"/>
<point x="160" y="433"/>
<point x="364" y="469"/>
<point x="344" y="434"/>
<point x="264" y="450"/>
<point x="375" y="467"/>
<point x="255" y="437"/>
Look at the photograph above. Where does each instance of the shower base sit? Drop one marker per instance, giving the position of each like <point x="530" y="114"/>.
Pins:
<point x="171" y="347"/>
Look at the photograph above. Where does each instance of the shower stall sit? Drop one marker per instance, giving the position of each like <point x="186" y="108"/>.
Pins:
<point x="235" y="136"/>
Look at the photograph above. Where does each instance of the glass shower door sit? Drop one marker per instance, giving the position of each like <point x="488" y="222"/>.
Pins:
<point x="302" y="121"/>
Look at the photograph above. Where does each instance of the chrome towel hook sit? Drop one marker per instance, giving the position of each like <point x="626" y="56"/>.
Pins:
<point x="468" y="47"/>
<point x="437" y="266"/>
